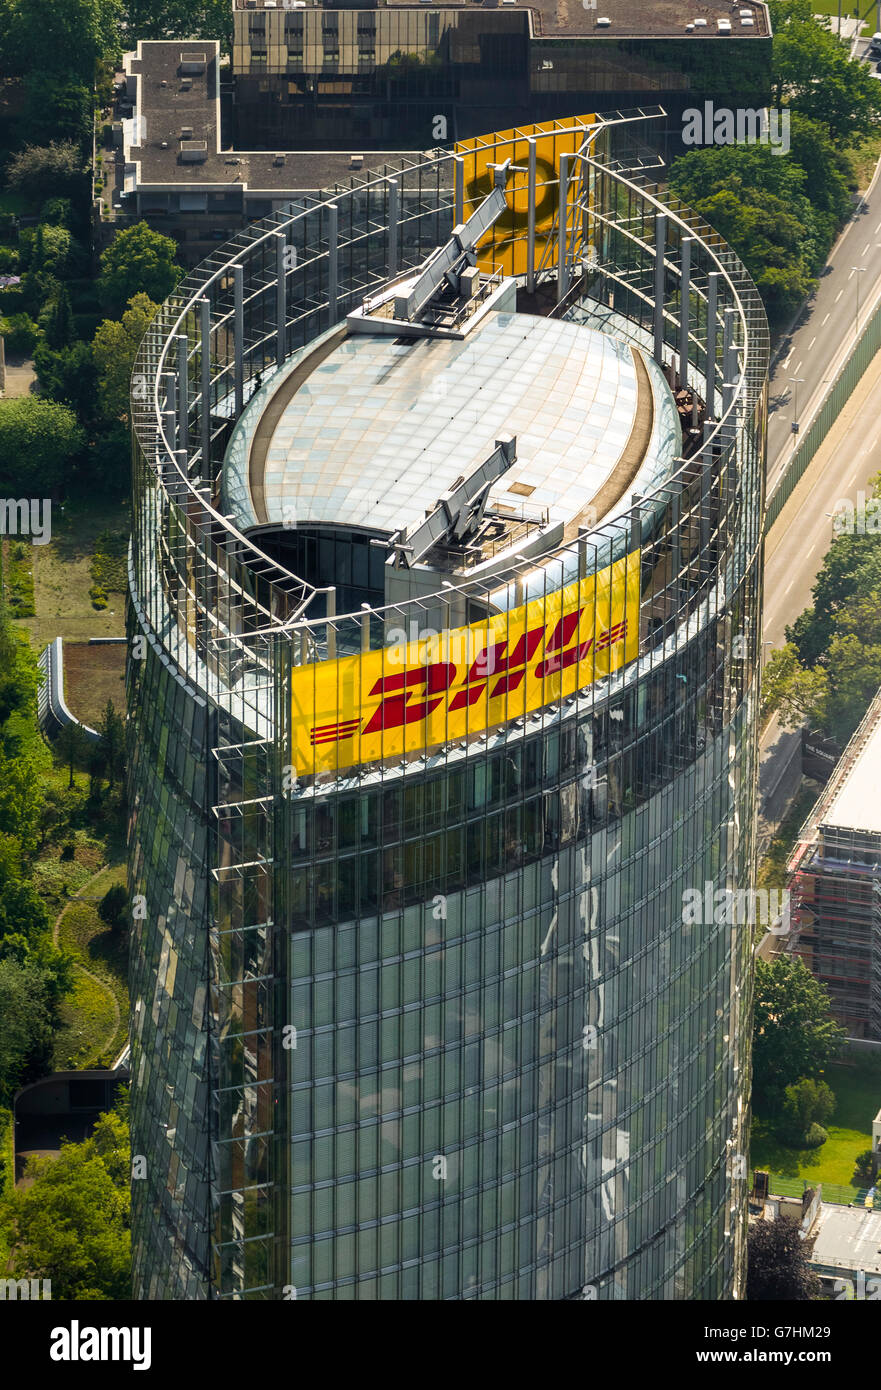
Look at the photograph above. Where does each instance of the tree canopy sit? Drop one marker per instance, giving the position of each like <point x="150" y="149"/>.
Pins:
<point x="794" y="1034"/>
<point x="115" y="347"/>
<point x="39" y="441"/>
<point x="137" y="261"/>
<point x="72" y="1224"/>
<point x="777" y="1264"/>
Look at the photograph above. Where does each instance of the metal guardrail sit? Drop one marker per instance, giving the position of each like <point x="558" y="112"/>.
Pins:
<point x="52" y="711"/>
<point x="843" y="387"/>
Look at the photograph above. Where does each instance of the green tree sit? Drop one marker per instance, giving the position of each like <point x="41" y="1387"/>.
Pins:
<point x="44" y="171"/>
<point x="69" y="376"/>
<point x="59" y="328"/>
<point x="21" y="334"/>
<point x="759" y="203"/>
<point x="72" y="1224"/>
<point x="814" y="74"/>
<point x="25" y="1026"/>
<point x="22" y="911"/>
<point x="794" y="1035"/>
<point x="21" y="795"/>
<point x="112" y="731"/>
<point x="137" y="261"/>
<point x="777" y="1264"/>
<point x="115" y="347"/>
<point x="47" y="248"/>
<point x="864" y="1168"/>
<point x="797" y="695"/>
<point x="39" y="442"/>
<point x="64" y="41"/>
<point x="72" y="744"/>
<point x="808" y="1105"/>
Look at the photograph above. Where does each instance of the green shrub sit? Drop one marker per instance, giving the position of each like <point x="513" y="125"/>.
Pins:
<point x="21" y="334"/>
<point x="8" y="260"/>
<point x="98" y="596"/>
<point x="815" y="1136"/>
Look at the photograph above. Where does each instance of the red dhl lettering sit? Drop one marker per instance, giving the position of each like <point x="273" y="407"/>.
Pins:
<point x="403" y="694"/>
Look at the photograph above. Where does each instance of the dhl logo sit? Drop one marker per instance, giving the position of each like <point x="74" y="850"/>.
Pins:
<point x="358" y="710"/>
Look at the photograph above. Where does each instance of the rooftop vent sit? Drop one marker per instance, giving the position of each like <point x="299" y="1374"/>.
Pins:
<point x="193" y="151"/>
<point x="279" y="159"/>
<point x="604" y="23"/>
<point x="748" y="23"/>
<point x="163" y="145"/>
<point x="250" y="4"/>
<point x="700" y="24"/>
<point x="186" y="132"/>
<point x="270" y="4"/>
<point x="192" y="62"/>
<point x="689" y="28"/>
<point x="746" y="14"/>
<point x="356" y="161"/>
<point x="186" y="84"/>
<point x="724" y="26"/>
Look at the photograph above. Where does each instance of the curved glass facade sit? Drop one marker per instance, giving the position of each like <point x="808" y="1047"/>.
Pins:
<point x="426" y="1021"/>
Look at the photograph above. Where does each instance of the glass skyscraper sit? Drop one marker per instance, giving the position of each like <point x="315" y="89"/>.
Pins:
<point x="444" y="608"/>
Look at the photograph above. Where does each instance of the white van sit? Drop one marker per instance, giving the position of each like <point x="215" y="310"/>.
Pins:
<point x="875" y="44"/>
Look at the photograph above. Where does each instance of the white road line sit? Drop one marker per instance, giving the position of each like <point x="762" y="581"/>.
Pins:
<point x="840" y="293"/>
<point x="811" y="343"/>
<point x="852" y="273"/>
<point x="788" y="587"/>
<point x="866" y="249"/>
<point x="785" y="364"/>
<point x="811" y="551"/>
<point x="797" y="365"/>
<point x="825" y="321"/>
<point x="878" y="229"/>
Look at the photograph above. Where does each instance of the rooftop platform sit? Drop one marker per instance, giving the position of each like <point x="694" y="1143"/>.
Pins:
<point x="369" y="430"/>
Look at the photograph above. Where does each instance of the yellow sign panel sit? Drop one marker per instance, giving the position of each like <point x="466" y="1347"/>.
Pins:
<point x="418" y="695"/>
<point x="504" y="247"/>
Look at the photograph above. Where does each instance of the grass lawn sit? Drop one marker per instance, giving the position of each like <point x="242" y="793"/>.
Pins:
<point x="102" y="1028"/>
<point x="88" y="1026"/>
<point x="857" y="1087"/>
<point x="63" y="575"/>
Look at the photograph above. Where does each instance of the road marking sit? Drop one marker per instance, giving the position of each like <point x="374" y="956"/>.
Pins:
<point x="840" y="293"/>
<point x="878" y="229"/>
<point x="866" y="249"/>
<point x="825" y="321"/>
<point x="797" y="365"/>
<point x="785" y="364"/>
<point x="811" y="551"/>
<point x="811" y="343"/>
<point x="788" y="587"/>
<point x="852" y="273"/>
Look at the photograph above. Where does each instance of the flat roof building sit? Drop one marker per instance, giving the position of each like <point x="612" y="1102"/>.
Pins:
<point x="326" y="75"/>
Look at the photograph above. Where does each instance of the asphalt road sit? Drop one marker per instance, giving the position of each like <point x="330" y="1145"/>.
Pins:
<point x="849" y="456"/>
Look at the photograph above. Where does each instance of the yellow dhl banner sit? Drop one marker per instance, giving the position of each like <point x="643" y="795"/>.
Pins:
<point x="418" y="695"/>
<point x="504" y="246"/>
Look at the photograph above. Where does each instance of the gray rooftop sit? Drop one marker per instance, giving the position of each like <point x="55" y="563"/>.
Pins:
<point x="177" y="93"/>
<point x="630" y="18"/>
<point x="381" y="428"/>
<point x="848" y="1238"/>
